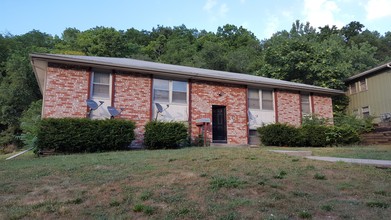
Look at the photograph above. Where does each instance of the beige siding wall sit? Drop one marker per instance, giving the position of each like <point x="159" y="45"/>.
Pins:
<point x="377" y="97"/>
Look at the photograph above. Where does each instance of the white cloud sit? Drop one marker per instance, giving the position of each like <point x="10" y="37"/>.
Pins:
<point x="209" y="5"/>
<point x="378" y="9"/>
<point x="223" y="10"/>
<point x="215" y="9"/>
<point x="321" y="12"/>
<point x="271" y="27"/>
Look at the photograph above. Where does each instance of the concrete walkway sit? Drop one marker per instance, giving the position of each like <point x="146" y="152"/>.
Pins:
<point x="307" y="154"/>
<point x="378" y="163"/>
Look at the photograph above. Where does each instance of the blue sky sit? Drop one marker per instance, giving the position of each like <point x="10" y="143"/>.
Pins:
<point x="262" y="17"/>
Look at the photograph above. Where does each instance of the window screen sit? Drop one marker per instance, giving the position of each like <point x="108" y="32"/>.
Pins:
<point x="253" y="99"/>
<point x="267" y="100"/>
<point x="101" y="85"/>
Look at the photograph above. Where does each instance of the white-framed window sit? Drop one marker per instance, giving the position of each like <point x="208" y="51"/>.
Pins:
<point x="363" y="85"/>
<point x="305" y="104"/>
<point x="100" y="84"/>
<point x="260" y="99"/>
<point x="365" y="111"/>
<point x="353" y="88"/>
<point x="169" y="91"/>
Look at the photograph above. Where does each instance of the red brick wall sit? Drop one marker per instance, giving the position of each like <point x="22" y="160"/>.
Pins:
<point x="66" y="91"/>
<point x="133" y="94"/>
<point x="323" y="106"/>
<point x="288" y="107"/>
<point x="205" y="94"/>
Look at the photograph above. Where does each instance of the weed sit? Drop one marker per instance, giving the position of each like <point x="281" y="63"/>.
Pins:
<point x="295" y="159"/>
<point x="280" y="175"/>
<point x="310" y="167"/>
<point x="75" y="201"/>
<point x="381" y="192"/>
<point x="149" y="210"/>
<point x="377" y="204"/>
<point x="138" y="207"/>
<point x="300" y="194"/>
<point x="262" y="183"/>
<point x="305" y="214"/>
<point x="327" y="208"/>
<point x="320" y="176"/>
<point x="203" y="175"/>
<point x="171" y="159"/>
<point x="230" y="216"/>
<point x="114" y="203"/>
<point x="145" y="195"/>
<point x="230" y="182"/>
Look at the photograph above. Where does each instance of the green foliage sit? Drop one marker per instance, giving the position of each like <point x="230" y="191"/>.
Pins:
<point x="280" y="135"/>
<point x="316" y="132"/>
<point x="70" y="135"/>
<point x="320" y="176"/>
<point x="221" y="182"/>
<point x="29" y="123"/>
<point x="316" y="135"/>
<point x="163" y="135"/>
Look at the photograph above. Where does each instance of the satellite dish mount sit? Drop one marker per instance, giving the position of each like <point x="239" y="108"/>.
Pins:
<point x="92" y="106"/>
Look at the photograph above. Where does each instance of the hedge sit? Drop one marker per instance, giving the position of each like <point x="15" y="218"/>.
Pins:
<point x="70" y="135"/>
<point x="163" y="135"/>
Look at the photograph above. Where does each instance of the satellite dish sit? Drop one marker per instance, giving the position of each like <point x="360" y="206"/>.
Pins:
<point x="160" y="109"/>
<point x="113" y="111"/>
<point x="93" y="105"/>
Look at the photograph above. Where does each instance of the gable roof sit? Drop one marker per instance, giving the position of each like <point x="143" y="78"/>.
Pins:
<point x="368" y="72"/>
<point x="169" y="70"/>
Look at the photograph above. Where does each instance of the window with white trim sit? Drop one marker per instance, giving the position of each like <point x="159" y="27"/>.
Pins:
<point x="305" y="104"/>
<point x="100" y="85"/>
<point x="266" y="101"/>
<point x="363" y="85"/>
<point x="353" y="88"/>
<point x="169" y="91"/>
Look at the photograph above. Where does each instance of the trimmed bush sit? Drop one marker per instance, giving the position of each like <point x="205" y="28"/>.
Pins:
<point x="316" y="135"/>
<point x="163" y="135"/>
<point x="280" y="135"/>
<point x="71" y="135"/>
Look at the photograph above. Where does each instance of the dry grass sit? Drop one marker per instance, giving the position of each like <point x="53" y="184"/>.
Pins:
<point x="193" y="183"/>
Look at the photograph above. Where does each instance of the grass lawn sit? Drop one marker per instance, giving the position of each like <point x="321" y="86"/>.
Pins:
<point x="192" y="183"/>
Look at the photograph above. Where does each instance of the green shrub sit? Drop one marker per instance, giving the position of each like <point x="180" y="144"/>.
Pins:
<point x="316" y="135"/>
<point x="344" y="134"/>
<point x="280" y="135"/>
<point x="360" y="125"/>
<point x="29" y="123"/>
<point x="71" y="135"/>
<point x="163" y="135"/>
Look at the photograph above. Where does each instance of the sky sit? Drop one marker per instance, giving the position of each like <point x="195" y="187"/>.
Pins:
<point x="262" y="17"/>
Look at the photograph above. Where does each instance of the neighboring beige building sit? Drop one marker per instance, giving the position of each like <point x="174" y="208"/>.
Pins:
<point x="370" y="93"/>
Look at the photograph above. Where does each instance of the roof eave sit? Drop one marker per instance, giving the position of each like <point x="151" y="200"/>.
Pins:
<point x="188" y="75"/>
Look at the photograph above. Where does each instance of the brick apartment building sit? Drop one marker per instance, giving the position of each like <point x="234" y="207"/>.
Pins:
<point x="235" y="104"/>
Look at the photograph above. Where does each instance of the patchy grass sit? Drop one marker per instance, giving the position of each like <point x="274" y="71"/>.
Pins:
<point x="200" y="183"/>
